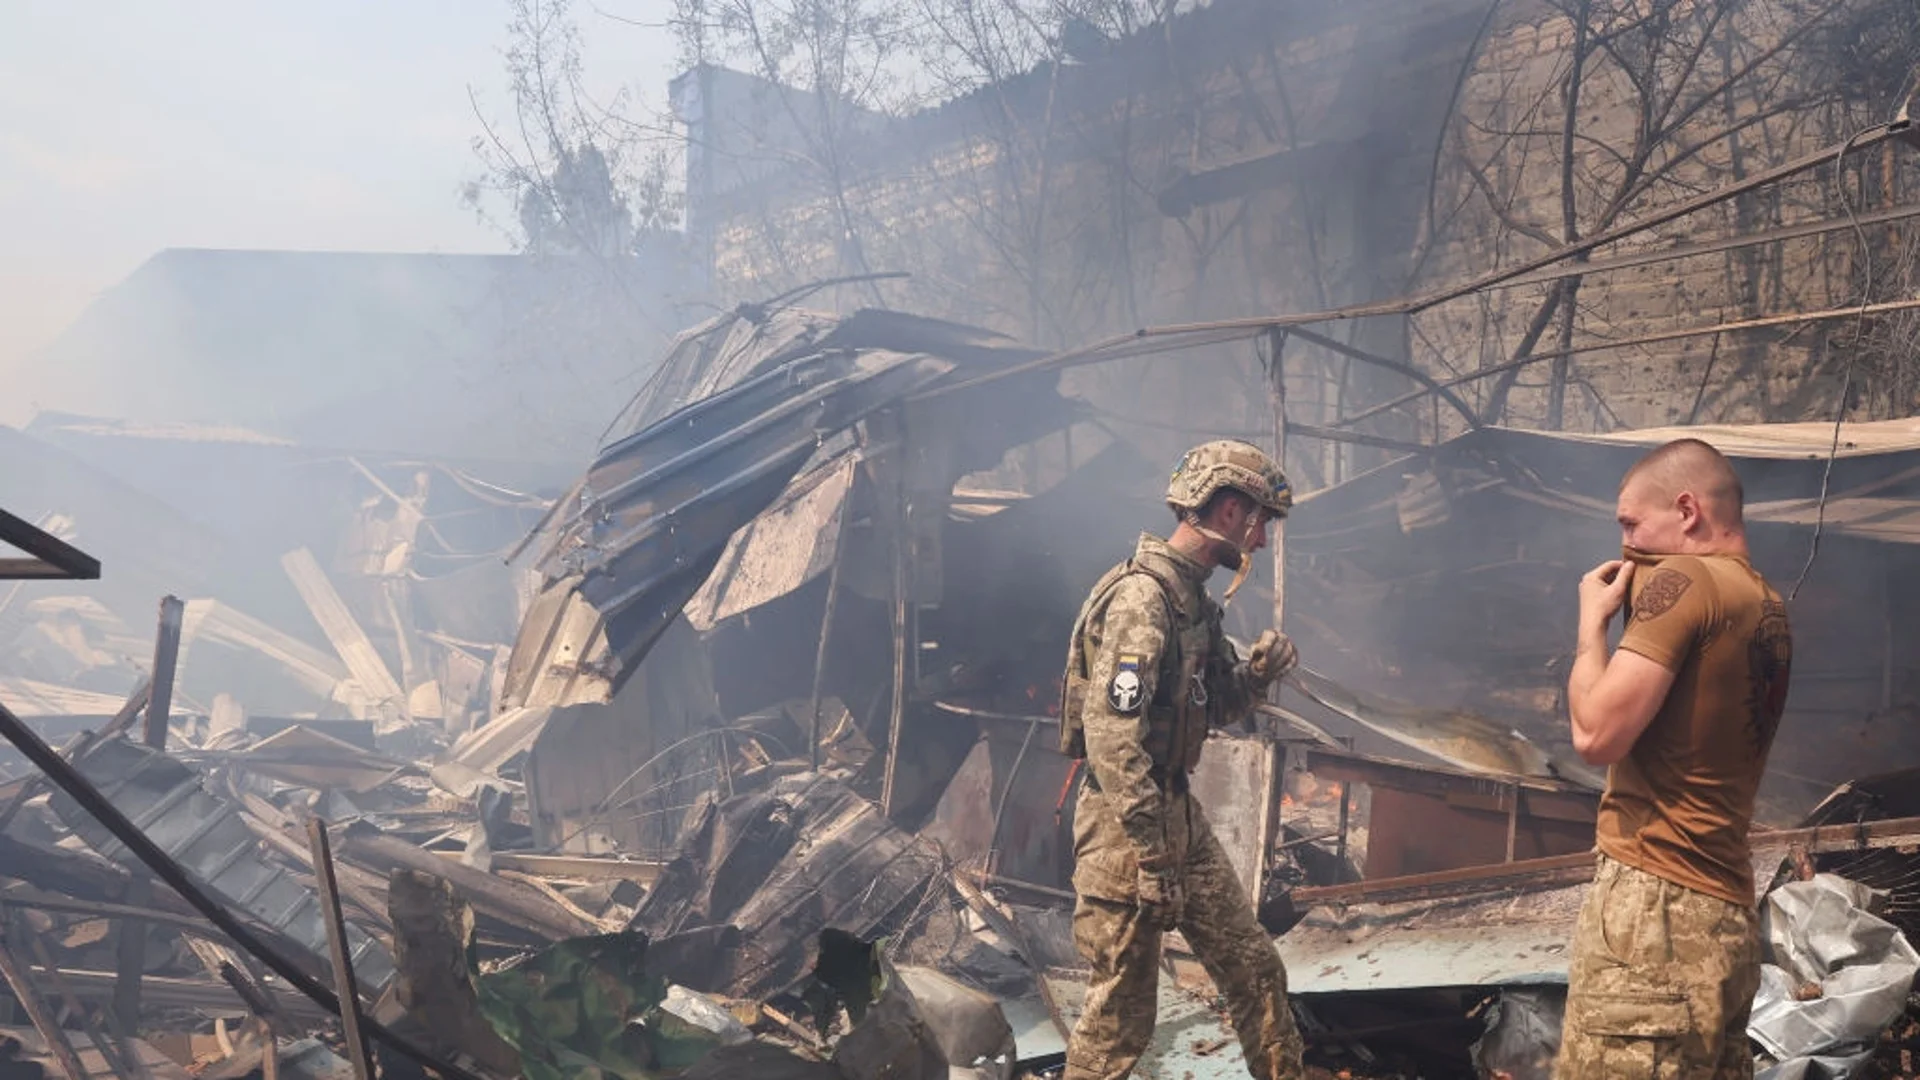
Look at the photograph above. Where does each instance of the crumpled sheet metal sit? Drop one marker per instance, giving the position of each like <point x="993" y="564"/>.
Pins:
<point x="760" y="876"/>
<point x="740" y="407"/>
<point x="205" y="835"/>
<point x="658" y="508"/>
<point x="1821" y="931"/>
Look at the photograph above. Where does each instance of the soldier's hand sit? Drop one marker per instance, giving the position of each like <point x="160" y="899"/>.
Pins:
<point x="1161" y="900"/>
<point x="1604" y="591"/>
<point x="1272" y="657"/>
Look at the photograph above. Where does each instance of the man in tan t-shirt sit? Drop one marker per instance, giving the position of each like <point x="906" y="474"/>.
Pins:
<point x="1666" y="956"/>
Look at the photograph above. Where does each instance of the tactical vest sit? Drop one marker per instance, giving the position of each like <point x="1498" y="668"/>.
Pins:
<point x="1182" y="709"/>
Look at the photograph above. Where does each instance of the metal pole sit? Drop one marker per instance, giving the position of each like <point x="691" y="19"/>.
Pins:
<point x="68" y="779"/>
<point x="166" y="653"/>
<point x="1277" y="398"/>
<point x="86" y="741"/>
<point x="1513" y="819"/>
<point x="131" y="944"/>
<point x="344" y="984"/>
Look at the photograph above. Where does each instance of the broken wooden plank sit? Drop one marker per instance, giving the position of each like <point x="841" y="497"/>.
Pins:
<point x="579" y="867"/>
<point x="108" y="1049"/>
<point x="319" y="671"/>
<point x="509" y="900"/>
<point x="38" y="1014"/>
<point x="166" y="654"/>
<point x="342" y="629"/>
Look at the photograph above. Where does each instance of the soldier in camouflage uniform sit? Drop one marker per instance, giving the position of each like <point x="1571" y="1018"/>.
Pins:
<point x="1149" y="671"/>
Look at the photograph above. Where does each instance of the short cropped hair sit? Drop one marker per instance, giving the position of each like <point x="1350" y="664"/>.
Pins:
<point x="1693" y="465"/>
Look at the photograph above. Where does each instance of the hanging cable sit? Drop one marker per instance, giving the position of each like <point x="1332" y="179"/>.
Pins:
<point x="1853" y="360"/>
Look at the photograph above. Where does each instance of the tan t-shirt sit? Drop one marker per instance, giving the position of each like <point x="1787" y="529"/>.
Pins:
<point x="1679" y="805"/>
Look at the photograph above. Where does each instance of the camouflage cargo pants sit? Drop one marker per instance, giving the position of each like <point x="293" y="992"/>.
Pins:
<point x="1661" y="982"/>
<point x="1123" y="951"/>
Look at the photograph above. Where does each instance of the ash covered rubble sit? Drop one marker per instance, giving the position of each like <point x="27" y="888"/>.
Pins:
<point x="766" y="783"/>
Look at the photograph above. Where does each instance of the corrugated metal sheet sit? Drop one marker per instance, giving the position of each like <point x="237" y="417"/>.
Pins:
<point x="659" y="507"/>
<point x="204" y="834"/>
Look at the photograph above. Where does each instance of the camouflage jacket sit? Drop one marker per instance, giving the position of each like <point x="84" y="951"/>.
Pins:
<point x="1149" y="671"/>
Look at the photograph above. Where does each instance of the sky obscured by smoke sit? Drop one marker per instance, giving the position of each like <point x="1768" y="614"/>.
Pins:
<point x="127" y="128"/>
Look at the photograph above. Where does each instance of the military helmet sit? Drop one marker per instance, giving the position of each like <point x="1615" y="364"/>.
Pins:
<point x="1227" y="463"/>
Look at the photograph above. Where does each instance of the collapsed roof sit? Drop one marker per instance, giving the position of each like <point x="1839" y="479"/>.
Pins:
<point x="761" y="409"/>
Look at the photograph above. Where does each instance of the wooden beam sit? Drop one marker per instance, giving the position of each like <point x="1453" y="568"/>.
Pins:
<point x="510" y="901"/>
<point x="349" y="640"/>
<point x="42" y="1017"/>
<point x="108" y="1048"/>
<point x="581" y="867"/>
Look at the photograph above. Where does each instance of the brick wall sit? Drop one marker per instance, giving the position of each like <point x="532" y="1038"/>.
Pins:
<point x="1265" y="157"/>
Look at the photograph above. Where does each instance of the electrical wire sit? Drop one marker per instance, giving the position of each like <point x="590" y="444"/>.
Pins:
<point x="1853" y="360"/>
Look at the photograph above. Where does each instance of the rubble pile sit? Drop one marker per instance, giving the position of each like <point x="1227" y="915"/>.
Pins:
<point x="753" y="771"/>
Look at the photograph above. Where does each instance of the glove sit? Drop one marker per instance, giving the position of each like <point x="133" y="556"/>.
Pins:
<point x="1161" y="900"/>
<point x="1272" y="657"/>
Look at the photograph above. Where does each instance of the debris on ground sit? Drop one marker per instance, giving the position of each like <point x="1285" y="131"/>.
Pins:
<point x="602" y="815"/>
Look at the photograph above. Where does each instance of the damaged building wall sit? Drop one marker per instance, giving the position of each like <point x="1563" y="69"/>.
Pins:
<point x="1300" y="158"/>
<point x="1579" y="117"/>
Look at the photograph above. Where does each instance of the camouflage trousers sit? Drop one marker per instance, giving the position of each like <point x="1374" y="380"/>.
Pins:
<point x="1661" y="982"/>
<point x="1123" y="949"/>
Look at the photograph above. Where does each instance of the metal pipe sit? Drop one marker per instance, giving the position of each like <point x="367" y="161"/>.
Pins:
<point x="337" y="949"/>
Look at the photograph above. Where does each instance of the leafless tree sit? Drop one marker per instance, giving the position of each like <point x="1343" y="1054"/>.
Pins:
<point x="572" y="176"/>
